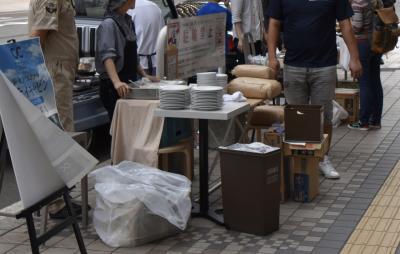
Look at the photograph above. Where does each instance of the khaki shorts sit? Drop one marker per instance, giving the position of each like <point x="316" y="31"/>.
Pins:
<point x="63" y="76"/>
<point x="314" y="86"/>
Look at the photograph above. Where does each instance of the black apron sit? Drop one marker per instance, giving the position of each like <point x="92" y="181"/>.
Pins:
<point x="149" y="63"/>
<point x="108" y="93"/>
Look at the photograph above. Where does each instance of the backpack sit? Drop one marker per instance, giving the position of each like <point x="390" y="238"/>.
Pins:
<point x="385" y="31"/>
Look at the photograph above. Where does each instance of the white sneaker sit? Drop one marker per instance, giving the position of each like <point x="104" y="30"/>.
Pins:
<point x="327" y="169"/>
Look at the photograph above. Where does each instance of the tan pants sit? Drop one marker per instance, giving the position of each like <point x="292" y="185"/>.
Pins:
<point x="63" y="76"/>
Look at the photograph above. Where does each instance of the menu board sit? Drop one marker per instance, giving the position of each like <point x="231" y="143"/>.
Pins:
<point x="195" y="44"/>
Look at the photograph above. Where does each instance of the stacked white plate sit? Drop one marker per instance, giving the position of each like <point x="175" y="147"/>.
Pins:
<point x="222" y="80"/>
<point x="174" y="97"/>
<point x="206" y="98"/>
<point x="206" y="79"/>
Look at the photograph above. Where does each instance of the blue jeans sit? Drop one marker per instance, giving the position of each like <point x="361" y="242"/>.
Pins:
<point x="371" y="92"/>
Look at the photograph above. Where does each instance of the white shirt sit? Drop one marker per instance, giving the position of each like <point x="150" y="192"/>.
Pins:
<point x="250" y="13"/>
<point x="148" y="20"/>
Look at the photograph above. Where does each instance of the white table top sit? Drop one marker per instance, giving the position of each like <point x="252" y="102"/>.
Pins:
<point x="229" y="110"/>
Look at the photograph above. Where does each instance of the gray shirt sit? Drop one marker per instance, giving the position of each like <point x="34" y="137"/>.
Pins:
<point x="111" y="41"/>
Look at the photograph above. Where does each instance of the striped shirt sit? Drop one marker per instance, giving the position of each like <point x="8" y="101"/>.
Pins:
<point x="362" y="18"/>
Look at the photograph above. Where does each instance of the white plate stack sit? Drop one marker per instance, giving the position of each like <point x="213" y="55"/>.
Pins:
<point x="206" y="98"/>
<point x="222" y="81"/>
<point x="207" y="79"/>
<point x="174" y="97"/>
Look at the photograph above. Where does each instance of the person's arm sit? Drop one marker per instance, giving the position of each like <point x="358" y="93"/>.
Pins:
<point x="142" y="73"/>
<point x="274" y="30"/>
<point x="42" y="34"/>
<point x="121" y="87"/>
<point x="237" y="7"/>
<point x="239" y="34"/>
<point x="351" y="43"/>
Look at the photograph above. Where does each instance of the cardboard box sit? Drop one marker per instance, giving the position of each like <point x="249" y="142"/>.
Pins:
<point x="304" y="168"/>
<point x="349" y="99"/>
<point x="304" y="123"/>
<point x="350" y="84"/>
<point x="272" y="138"/>
<point x="304" y="178"/>
<point x="307" y="149"/>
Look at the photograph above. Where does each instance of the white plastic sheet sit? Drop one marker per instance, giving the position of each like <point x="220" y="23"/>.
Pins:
<point x="137" y="204"/>
<point x="255" y="147"/>
<point x="339" y="113"/>
<point x="344" y="55"/>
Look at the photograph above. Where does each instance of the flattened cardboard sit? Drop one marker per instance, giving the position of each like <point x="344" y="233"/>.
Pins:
<point x="308" y="150"/>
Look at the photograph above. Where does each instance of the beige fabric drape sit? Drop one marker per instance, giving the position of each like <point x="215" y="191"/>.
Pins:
<point x="136" y="133"/>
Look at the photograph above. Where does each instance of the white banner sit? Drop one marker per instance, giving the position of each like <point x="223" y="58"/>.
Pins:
<point x="44" y="157"/>
<point x="195" y="44"/>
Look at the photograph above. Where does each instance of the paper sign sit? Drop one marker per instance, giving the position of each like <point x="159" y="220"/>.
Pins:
<point x="23" y="64"/>
<point x="197" y="44"/>
<point x="44" y="157"/>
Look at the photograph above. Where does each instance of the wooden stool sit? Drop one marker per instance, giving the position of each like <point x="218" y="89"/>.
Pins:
<point x="185" y="147"/>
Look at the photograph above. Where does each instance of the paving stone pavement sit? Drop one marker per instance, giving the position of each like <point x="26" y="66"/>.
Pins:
<point x="364" y="160"/>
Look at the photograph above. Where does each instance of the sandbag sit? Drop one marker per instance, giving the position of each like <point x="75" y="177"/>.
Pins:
<point x="255" y="88"/>
<point x="253" y="71"/>
<point x="267" y="115"/>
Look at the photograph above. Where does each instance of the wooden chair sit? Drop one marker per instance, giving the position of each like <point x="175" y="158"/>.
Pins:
<point x="186" y="148"/>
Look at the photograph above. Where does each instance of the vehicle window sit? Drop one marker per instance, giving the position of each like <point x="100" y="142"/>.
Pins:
<point x="96" y="8"/>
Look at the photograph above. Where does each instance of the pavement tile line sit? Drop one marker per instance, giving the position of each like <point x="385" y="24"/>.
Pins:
<point x="379" y="229"/>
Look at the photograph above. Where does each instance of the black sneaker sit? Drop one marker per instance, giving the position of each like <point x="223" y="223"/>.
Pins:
<point x="358" y="126"/>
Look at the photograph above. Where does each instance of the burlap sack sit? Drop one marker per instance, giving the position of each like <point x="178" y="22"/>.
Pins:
<point x="267" y="115"/>
<point x="255" y="88"/>
<point x="253" y="71"/>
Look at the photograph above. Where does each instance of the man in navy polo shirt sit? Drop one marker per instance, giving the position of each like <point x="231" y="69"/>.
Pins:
<point x="311" y="55"/>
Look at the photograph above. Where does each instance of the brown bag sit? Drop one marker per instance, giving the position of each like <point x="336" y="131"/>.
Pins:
<point x="385" y="31"/>
<point x="255" y="88"/>
<point x="253" y="71"/>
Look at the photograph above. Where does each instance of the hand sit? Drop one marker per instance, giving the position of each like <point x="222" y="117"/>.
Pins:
<point x="122" y="89"/>
<point x="273" y="63"/>
<point x="355" y="68"/>
<point x="153" y="79"/>
<point x="240" y="45"/>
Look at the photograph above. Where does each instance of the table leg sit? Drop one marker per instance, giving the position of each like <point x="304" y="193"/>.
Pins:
<point x="203" y="140"/>
<point x="204" y="210"/>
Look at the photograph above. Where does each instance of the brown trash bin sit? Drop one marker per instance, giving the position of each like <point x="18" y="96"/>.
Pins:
<point x="251" y="190"/>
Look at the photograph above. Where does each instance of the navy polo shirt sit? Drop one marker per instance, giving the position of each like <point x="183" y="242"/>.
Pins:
<point x="309" y="29"/>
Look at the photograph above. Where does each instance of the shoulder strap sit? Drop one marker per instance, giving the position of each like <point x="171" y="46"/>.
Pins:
<point x="119" y="26"/>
